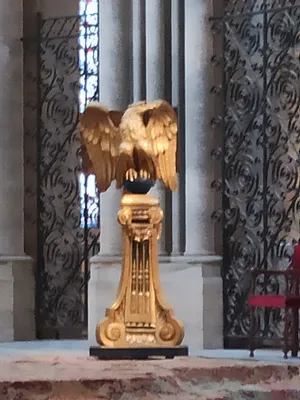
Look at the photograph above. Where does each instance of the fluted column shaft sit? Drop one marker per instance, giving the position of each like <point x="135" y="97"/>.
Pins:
<point x="155" y="80"/>
<point x="178" y="197"/>
<point x="139" y="49"/>
<point x="199" y="135"/>
<point x="116" y="94"/>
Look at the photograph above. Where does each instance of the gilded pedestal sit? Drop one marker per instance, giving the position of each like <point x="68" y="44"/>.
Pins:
<point x="140" y="316"/>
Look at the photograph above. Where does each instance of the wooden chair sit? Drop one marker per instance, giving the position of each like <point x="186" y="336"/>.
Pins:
<point x="289" y="301"/>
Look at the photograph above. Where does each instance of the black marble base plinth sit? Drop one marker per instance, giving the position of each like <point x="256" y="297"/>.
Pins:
<point x="137" y="353"/>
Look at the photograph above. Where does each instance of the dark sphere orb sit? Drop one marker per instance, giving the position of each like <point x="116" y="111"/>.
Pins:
<point x="138" y="186"/>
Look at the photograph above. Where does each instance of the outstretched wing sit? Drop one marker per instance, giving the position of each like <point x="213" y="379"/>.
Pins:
<point x="100" y="134"/>
<point x="161" y="126"/>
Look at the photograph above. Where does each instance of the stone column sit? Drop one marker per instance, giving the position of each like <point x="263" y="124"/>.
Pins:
<point x="115" y="93"/>
<point x="192" y="283"/>
<point x="16" y="269"/>
<point x="139" y="49"/>
<point x="200" y="247"/>
<point x="155" y="80"/>
<point x="199" y="135"/>
<point x="177" y="101"/>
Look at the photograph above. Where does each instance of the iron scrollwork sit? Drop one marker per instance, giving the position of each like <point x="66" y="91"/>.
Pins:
<point x="68" y="215"/>
<point x="261" y="144"/>
<point x="236" y="7"/>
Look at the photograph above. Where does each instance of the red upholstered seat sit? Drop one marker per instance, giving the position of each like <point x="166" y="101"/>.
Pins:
<point x="267" y="301"/>
<point x="274" y="301"/>
<point x="289" y="300"/>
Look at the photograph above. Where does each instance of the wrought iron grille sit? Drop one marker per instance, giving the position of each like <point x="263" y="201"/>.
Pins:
<point x="260" y="126"/>
<point x="68" y="205"/>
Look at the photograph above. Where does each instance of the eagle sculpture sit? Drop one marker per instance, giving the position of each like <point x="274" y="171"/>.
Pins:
<point x="138" y="143"/>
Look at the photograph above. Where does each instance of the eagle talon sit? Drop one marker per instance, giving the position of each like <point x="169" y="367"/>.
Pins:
<point x="131" y="175"/>
<point x="144" y="174"/>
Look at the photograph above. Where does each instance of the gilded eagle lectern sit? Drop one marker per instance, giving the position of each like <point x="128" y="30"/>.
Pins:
<point x="135" y="148"/>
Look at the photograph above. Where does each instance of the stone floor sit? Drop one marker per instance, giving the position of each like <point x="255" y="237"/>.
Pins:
<point x="63" y="371"/>
<point x="81" y="348"/>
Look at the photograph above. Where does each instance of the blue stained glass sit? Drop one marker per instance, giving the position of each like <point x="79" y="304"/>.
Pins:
<point x="89" y="51"/>
<point x="89" y="90"/>
<point x="87" y="7"/>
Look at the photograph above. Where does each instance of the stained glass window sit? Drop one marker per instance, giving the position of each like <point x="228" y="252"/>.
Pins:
<point x="89" y="52"/>
<point x="89" y="201"/>
<point x="89" y="90"/>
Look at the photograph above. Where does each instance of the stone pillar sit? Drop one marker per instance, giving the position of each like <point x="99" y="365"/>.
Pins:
<point x="197" y="273"/>
<point x="155" y="80"/>
<point x="199" y="135"/>
<point x="200" y="246"/>
<point x="115" y="93"/>
<point x="177" y="101"/>
<point x="16" y="269"/>
<point x="139" y="50"/>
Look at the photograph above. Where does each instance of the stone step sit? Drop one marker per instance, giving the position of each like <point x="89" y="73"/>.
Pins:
<point x="130" y="390"/>
<point x="67" y="377"/>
